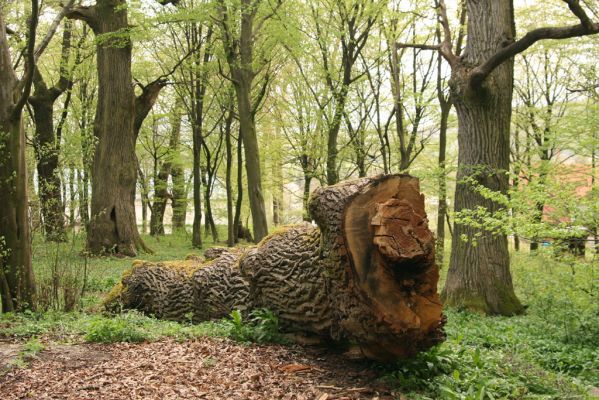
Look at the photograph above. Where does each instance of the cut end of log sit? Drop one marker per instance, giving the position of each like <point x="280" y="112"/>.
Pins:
<point x="401" y="234"/>
<point x="391" y="252"/>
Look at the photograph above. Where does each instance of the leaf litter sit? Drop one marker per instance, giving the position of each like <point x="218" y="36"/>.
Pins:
<point x="206" y="368"/>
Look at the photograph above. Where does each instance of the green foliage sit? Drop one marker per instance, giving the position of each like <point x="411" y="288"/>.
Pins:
<point x="262" y="327"/>
<point x="118" y="329"/>
<point x="31" y="348"/>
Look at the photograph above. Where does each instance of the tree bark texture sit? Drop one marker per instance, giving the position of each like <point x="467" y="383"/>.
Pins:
<point x="179" y="198"/>
<point x="46" y="142"/>
<point x="113" y="226"/>
<point x="479" y="276"/>
<point x="46" y="154"/>
<point x="366" y="275"/>
<point x="17" y="283"/>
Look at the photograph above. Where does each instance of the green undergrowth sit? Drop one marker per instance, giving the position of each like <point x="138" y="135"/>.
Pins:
<point x="130" y="326"/>
<point x="261" y="326"/>
<point x="550" y="352"/>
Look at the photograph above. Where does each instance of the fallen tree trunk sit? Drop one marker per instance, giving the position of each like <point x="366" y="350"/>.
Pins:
<point x="366" y="275"/>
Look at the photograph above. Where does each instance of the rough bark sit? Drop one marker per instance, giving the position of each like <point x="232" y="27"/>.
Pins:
<point x="366" y="275"/>
<point x="479" y="276"/>
<point x="112" y="226"/>
<point x="179" y="198"/>
<point x="47" y="150"/>
<point x="17" y="283"/>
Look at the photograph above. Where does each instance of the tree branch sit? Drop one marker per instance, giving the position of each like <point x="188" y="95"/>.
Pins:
<point x="29" y="61"/>
<point x="83" y="13"/>
<point x="421" y="46"/>
<point x="585" y="28"/>
<point x="480" y="73"/>
<point x="444" y="47"/>
<point x="52" y="30"/>
<point x="446" y="43"/>
<point x="575" y="7"/>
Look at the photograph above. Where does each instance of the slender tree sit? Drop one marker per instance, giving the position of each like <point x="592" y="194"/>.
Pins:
<point x="241" y="24"/>
<point x="350" y="24"/>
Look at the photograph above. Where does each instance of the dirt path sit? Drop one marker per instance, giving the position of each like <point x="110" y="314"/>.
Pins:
<point x="200" y="369"/>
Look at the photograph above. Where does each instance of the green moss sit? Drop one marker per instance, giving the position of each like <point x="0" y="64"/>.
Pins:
<point x="281" y="230"/>
<point x="508" y="303"/>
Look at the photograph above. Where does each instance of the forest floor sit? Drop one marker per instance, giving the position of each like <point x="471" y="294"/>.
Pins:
<point x="550" y="352"/>
<point x="204" y="368"/>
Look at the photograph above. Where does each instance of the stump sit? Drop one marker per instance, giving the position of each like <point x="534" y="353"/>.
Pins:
<point x="366" y="276"/>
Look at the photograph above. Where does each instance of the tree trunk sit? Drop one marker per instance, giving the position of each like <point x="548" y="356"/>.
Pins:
<point x="161" y="194"/>
<point x="239" y="49"/>
<point x="366" y="276"/>
<point x="196" y="236"/>
<point x="113" y="226"/>
<point x="46" y="154"/>
<point x="442" y="210"/>
<point x="239" y="200"/>
<point x="479" y="275"/>
<point x="17" y="284"/>
<point x="277" y="189"/>
<point x="179" y="199"/>
<point x="228" y="184"/>
<point x="306" y="197"/>
<point x="72" y="195"/>
<point x="247" y="130"/>
<point x="160" y="200"/>
<point x="82" y="186"/>
<point x="210" y="224"/>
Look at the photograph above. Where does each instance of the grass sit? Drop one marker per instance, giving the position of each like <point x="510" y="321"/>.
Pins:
<point x="551" y="352"/>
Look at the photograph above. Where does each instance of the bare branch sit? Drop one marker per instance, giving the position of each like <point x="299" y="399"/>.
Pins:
<point x="480" y="73"/>
<point x="418" y="46"/>
<point x="29" y="61"/>
<point x="575" y="7"/>
<point x="52" y="30"/>
<point x="446" y="43"/>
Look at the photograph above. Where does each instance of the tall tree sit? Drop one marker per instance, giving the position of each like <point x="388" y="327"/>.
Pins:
<point x="112" y="226"/>
<point x="46" y="141"/>
<point x="445" y="105"/>
<point x="411" y="94"/>
<point x="17" y="283"/>
<point x="119" y="115"/>
<point x="543" y="97"/>
<point x="241" y="25"/>
<point x="350" y="24"/>
<point x="482" y="86"/>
